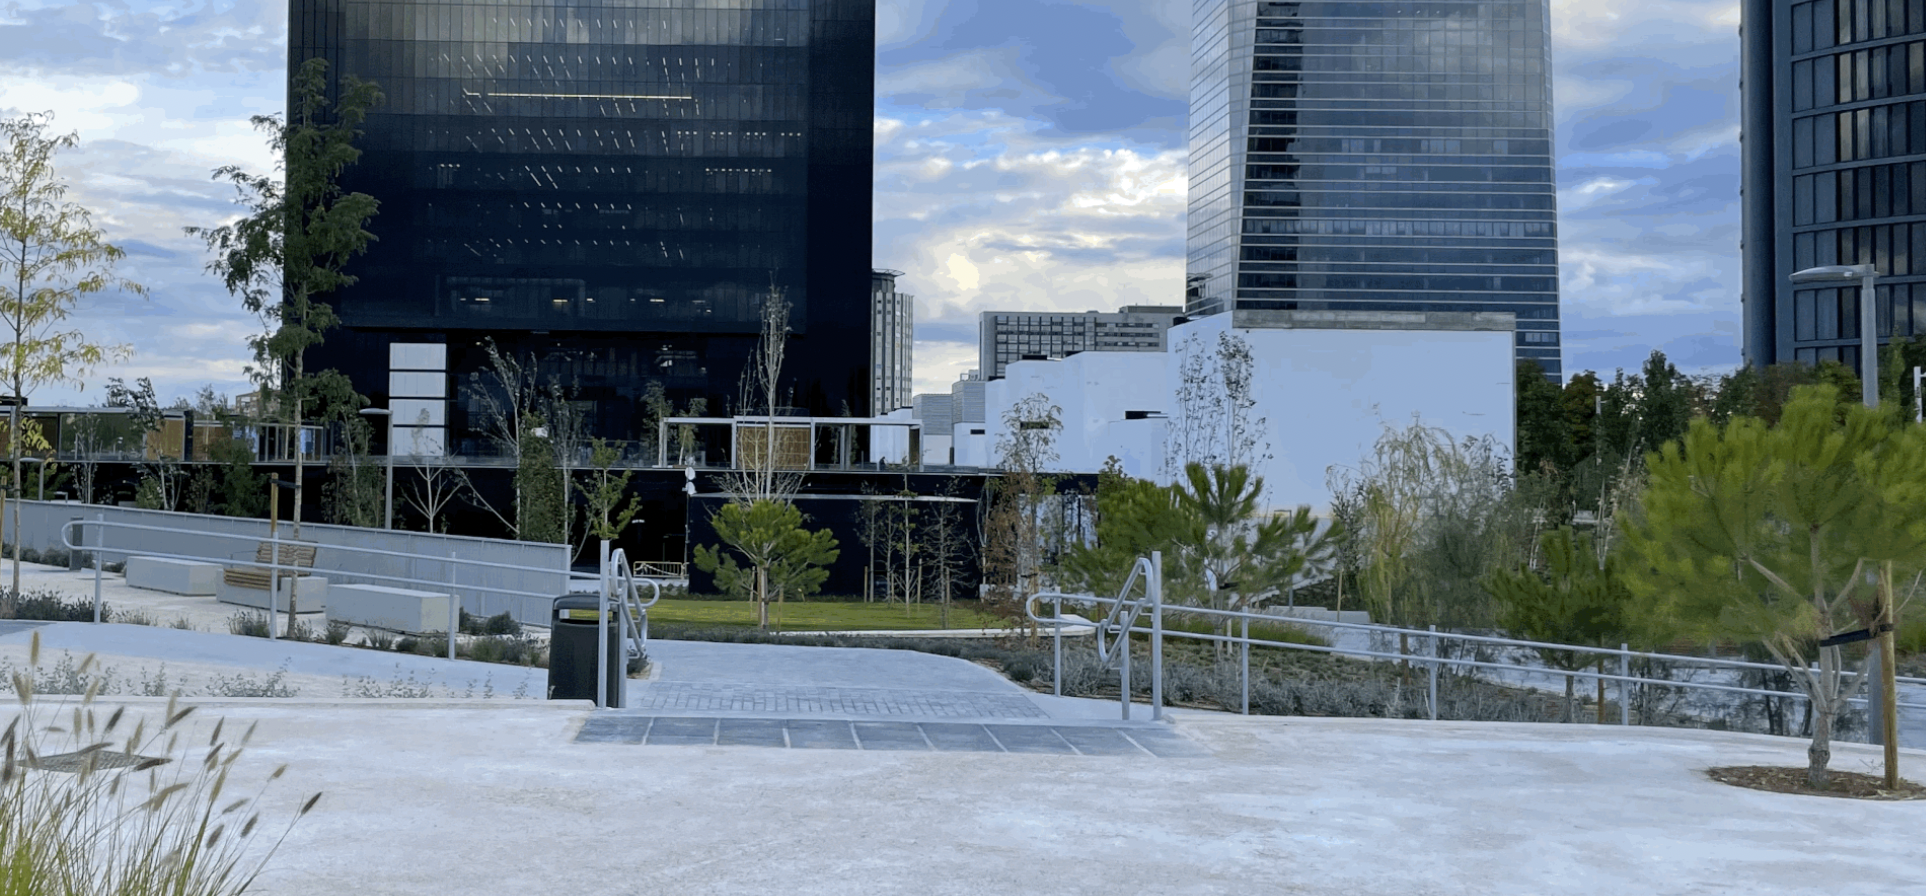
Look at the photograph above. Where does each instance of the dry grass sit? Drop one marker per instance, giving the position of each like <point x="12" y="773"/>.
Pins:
<point x="94" y="803"/>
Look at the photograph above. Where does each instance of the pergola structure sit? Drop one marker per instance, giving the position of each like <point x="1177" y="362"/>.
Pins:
<point x="755" y="430"/>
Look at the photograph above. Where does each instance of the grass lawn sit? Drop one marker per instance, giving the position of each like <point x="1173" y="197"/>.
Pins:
<point x="826" y="616"/>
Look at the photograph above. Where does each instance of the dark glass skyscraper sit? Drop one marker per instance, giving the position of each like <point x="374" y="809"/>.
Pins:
<point x="1834" y="127"/>
<point x="1375" y="156"/>
<point x="612" y="187"/>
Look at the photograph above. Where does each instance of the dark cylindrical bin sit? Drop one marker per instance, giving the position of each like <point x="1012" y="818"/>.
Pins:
<point x="571" y="650"/>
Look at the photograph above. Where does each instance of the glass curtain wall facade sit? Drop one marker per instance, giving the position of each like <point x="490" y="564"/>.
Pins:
<point x="1375" y="156"/>
<point x="1835" y="171"/>
<point x="610" y="187"/>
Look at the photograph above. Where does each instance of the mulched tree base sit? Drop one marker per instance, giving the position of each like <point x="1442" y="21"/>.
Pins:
<point x="1850" y="785"/>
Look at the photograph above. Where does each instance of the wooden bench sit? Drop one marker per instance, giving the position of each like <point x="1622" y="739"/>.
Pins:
<point x="248" y="585"/>
<point x="293" y="558"/>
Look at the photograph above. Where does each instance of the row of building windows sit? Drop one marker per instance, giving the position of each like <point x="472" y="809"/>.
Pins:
<point x="1360" y="227"/>
<point x="1893" y="248"/>
<point x="1402" y="171"/>
<point x="1403" y="199"/>
<point x="1436" y="282"/>
<point x="1453" y="254"/>
<point x="1858" y="75"/>
<point x="1854" y="194"/>
<point x="1535" y="306"/>
<point x="1820" y="314"/>
<point x="586" y="67"/>
<point x="1877" y="132"/>
<point x="679" y="249"/>
<point x="778" y="23"/>
<point x="1826" y="23"/>
<point x="495" y="174"/>
<point x="1443" y="118"/>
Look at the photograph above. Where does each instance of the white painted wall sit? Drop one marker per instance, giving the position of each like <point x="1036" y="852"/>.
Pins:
<point x="1325" y="396"/>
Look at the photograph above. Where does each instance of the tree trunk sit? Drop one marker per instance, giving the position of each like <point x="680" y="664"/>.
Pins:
<point x="762" y="597"/>
<point x="1571" y="710"/>
<point x="13" y="448"/>
<point x="1820" y="752"/>
<point x="1601" y="691"/>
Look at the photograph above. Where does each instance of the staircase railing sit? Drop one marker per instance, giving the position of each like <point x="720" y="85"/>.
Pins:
<point x="631" y="613"/>
<point x="1113" y="633"/>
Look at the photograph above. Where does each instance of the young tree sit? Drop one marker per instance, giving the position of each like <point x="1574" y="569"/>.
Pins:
<point x="159" y="487"/>
<point x="538" y="480"/>
<point x="946" y="548"/>
<point x="1579" y="600"/>
<point x="1243" y="555"/>
<point x="1013" y="548"/>
<point x="783" y="557"/>
<point x="51" y="257"/>
<point x="608" y="515"/>
<point x="437" y="483"/>
<point x="1770" y="534"/>
<point x="292" y="246"/>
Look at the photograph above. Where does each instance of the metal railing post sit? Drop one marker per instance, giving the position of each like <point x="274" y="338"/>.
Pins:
<point x="100" y="541"/>
<point x="1434" y="673"/>
<point x="1624" y="686"/>
<point x="1123" y="683"/>
<point x="1157" y="636"/>
<point x="1244" y="634"/>
<point x="1056" y="630"/>
<point x="602" y="633"/>
<point x="274" y="582"/>
<point x="454" y="603"/>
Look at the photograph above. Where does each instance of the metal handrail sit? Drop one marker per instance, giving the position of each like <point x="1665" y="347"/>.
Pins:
<point x="1151" y="570"/>
<point x="1433" y="662"/>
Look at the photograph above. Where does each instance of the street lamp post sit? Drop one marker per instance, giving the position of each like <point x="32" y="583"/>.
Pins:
<point x="1881" y="726"/>
<point x="388" y="461"/>
<point x="1868" y="318"/>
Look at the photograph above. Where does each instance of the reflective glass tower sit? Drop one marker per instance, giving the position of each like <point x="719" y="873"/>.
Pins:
<point x="1375" y="156"/>
<point x="1834" y="150"/>
<point x="610" y="187"/>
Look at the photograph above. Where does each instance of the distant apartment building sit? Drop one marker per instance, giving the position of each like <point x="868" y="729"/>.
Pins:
<point x="1009" y="336"/>
<point x="892" y="336"/>
<point x="1375" y="157"/>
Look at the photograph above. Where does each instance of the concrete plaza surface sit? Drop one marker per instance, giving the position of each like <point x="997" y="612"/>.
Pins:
<point x="453" y="797"/>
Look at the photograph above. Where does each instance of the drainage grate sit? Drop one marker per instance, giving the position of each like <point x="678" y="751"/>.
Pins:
<point x="917" y="737"/>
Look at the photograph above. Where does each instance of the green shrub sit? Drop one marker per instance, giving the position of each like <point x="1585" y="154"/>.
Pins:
<point x="381" y="640"/>
<point x="49" y="606"/>
<point x="337" y="632"/>
<point x="502" y="623"/>
<point x="148" y="826"/>
<point x="249" y="623"/>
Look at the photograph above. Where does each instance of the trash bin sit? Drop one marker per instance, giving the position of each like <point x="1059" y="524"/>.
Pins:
<point x="571" y="650"/>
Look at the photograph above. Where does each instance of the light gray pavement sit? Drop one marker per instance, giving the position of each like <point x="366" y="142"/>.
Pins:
<point x="506" y="796"/>
<point x="499" y="798"/>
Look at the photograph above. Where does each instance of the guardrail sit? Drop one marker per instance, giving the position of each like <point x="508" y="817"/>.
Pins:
<point x="660" y="569"/>
<point x="1119" y="624"/>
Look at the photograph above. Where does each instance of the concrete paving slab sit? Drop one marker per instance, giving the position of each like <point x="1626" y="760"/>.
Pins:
<point x="416" y="802"/>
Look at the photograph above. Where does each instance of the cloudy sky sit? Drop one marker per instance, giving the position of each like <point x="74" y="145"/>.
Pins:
<point x="1029" y="155"/>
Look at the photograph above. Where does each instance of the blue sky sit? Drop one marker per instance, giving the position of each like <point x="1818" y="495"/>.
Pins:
<point x="1028" y="155"/>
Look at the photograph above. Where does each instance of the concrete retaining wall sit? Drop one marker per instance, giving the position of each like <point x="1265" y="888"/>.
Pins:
<point x="441" y="562"/>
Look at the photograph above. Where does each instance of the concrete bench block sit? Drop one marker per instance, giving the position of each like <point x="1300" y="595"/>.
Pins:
<point x="395" y="609"/>
<point x="310" y="592"/>
<point x="173" y="576"/>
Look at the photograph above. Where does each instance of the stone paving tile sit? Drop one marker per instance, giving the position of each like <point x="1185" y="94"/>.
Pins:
<point x="697" y="696"/>
<point x="890" y="736"/>
<point x="960" y="738"/>
<point x="751" y="733"/>
<point x="827" y="734"/>
<point x="1029" y="739"/>
<point x="1100" y="742"/>
<point x="682" y="732"/>
<point x="820" y="735"/>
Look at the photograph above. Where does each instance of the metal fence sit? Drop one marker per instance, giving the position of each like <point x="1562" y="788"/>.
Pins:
<point x="1125" y="617"/>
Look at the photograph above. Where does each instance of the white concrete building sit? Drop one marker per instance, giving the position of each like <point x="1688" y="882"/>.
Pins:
<point x="1323" y="387"/>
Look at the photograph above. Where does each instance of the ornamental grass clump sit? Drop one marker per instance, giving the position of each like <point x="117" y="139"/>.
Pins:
<point x="96" y="803"/>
